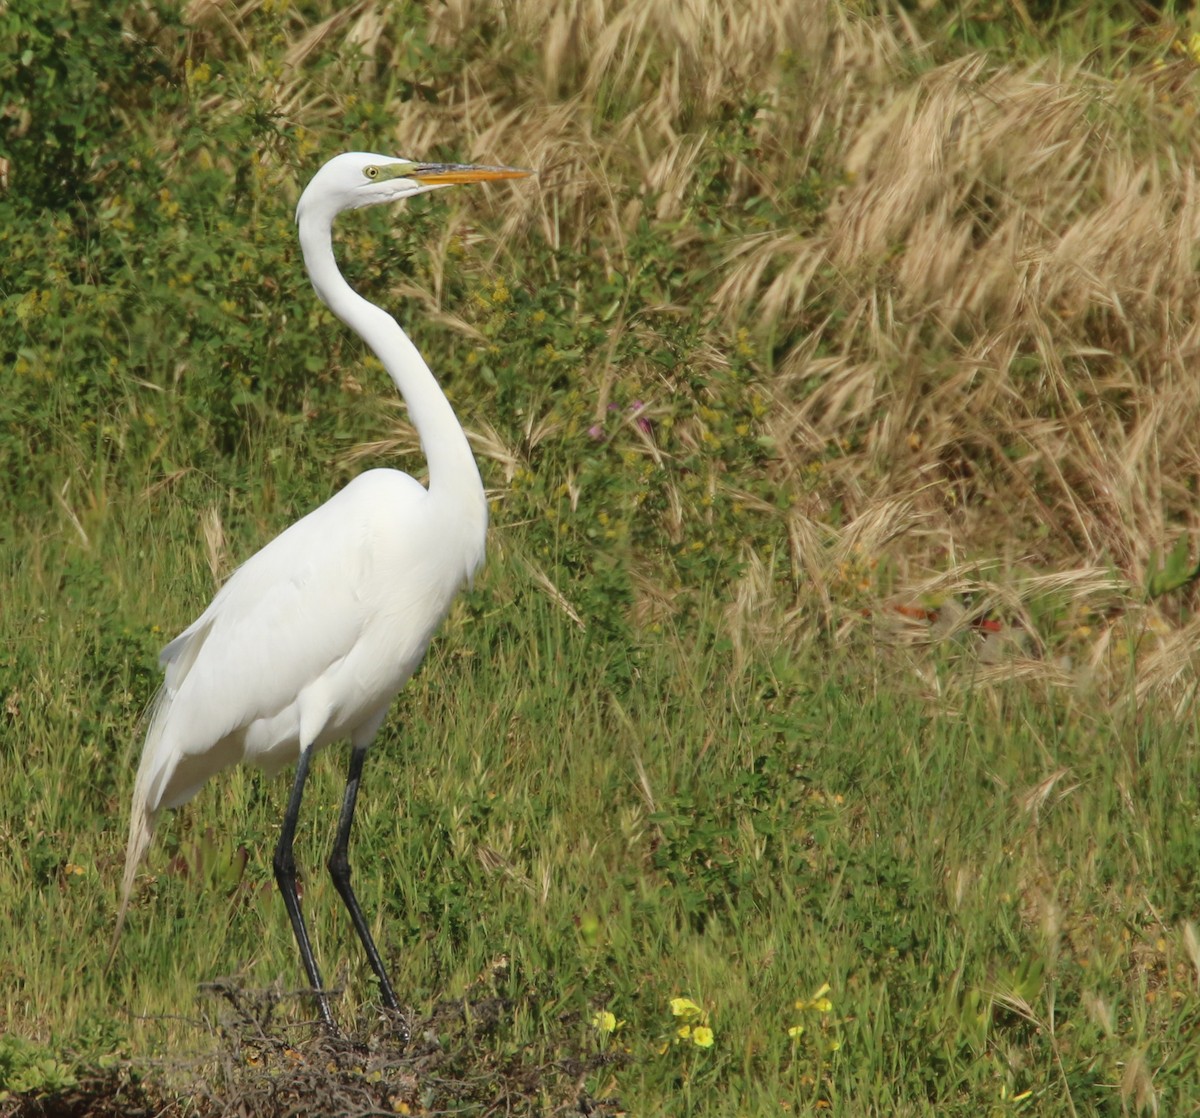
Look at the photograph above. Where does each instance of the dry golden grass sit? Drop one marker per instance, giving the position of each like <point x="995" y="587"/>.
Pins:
<point x="986" y="345"/>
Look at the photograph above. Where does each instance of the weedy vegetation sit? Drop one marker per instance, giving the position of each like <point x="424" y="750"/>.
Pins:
<point x="821" y="737"/>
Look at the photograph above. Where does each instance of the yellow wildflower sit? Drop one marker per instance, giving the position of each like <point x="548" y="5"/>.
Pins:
<point x="604" y="1021"/>
<point x="818" y="1001"/>
<point x="687" y="1009"/>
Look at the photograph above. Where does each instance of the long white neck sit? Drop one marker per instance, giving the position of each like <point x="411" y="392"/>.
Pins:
<point x="453" y="473"/>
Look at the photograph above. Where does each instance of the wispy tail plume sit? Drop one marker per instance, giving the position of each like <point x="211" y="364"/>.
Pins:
<point x="141" y="818"/>
<point x="141" y="830"/>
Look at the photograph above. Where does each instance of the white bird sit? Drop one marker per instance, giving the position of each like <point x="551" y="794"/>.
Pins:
<point x="312" y="637"/>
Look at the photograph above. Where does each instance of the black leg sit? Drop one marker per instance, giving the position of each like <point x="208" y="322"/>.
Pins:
<point x="285" y="877"/>
<point x="339" y="870"/>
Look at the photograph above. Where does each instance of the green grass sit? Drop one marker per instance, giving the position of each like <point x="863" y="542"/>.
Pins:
<point x="995" y="885"/>
<point x="748" y="426"/>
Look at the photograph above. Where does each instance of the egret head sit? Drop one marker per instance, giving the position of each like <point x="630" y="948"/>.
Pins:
<point x="358" y="178"/>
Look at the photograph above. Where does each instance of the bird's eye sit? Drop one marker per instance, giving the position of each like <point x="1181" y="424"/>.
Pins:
<point x="371" y="172"/>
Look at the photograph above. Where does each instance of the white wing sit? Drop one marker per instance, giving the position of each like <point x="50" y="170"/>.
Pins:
<point x="307" y="642"/>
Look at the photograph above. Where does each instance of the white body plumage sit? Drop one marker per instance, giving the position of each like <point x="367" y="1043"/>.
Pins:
<point x="309" y="640"/>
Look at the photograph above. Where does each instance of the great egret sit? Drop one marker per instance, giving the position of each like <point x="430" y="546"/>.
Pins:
<point x="311" y="638"/>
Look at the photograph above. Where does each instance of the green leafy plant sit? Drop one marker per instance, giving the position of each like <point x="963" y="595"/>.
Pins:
<point x="1173" y="572"/>
<point x="28" y="1069"/>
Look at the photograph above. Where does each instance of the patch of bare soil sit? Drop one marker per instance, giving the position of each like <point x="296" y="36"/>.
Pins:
<point x="452" y="1063"/>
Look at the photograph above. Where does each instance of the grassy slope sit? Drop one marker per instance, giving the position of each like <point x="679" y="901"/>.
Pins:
<point x="802" y="324"/>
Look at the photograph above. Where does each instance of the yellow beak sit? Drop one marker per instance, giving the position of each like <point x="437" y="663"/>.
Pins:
<point x="444" y="174"/>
